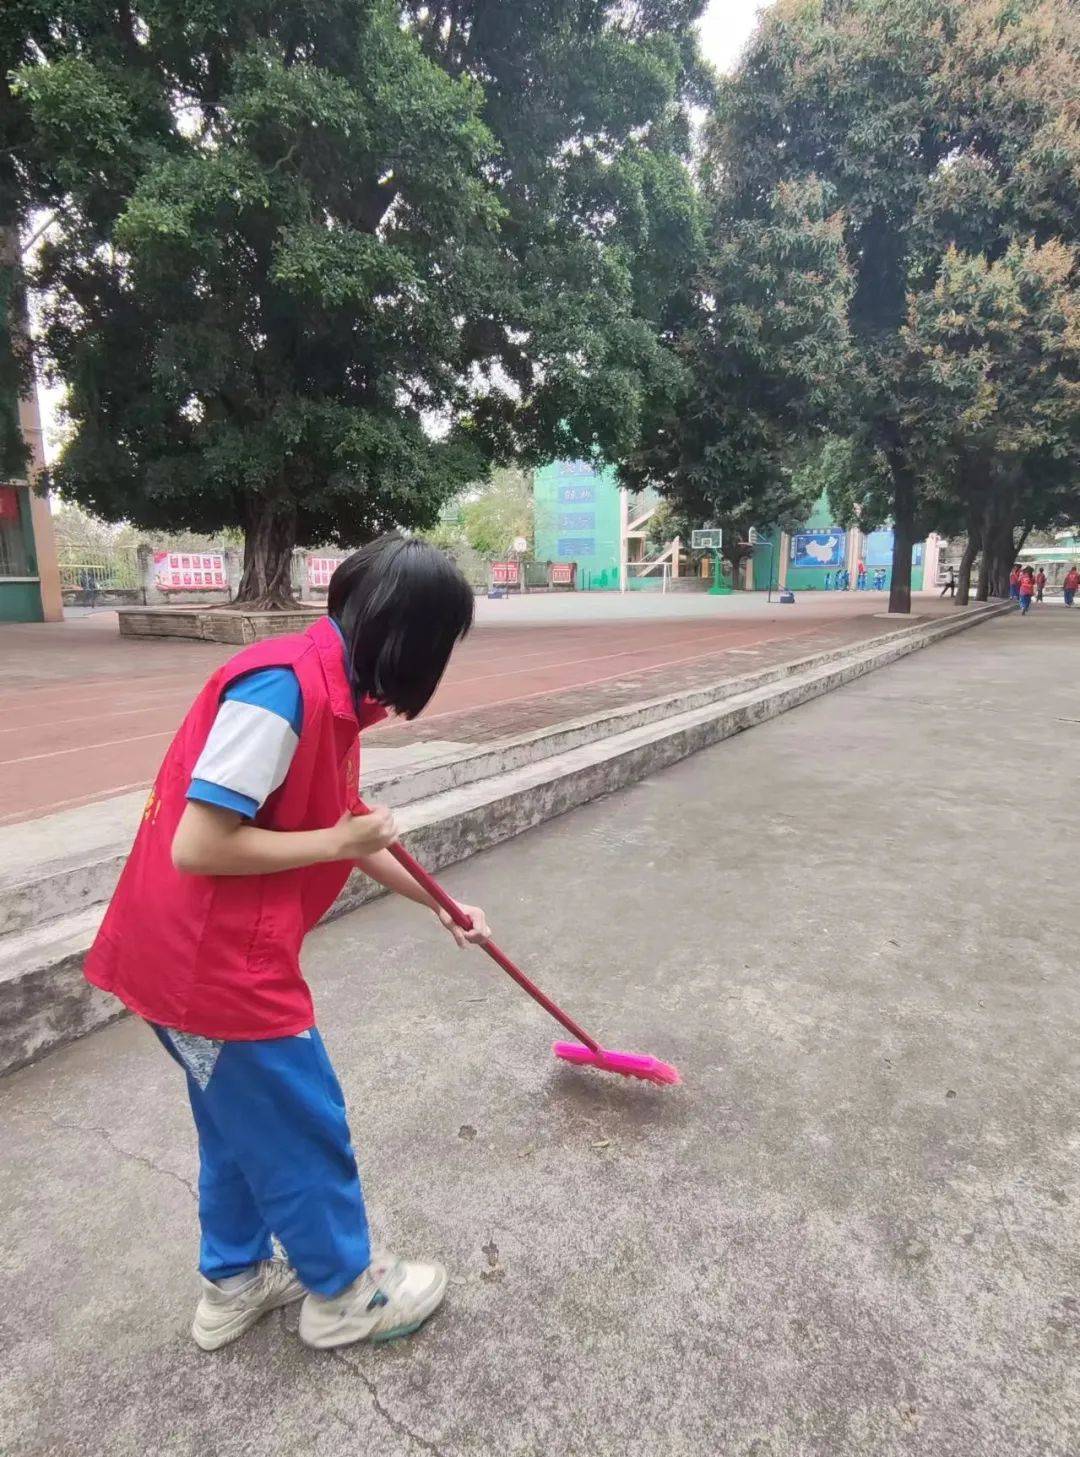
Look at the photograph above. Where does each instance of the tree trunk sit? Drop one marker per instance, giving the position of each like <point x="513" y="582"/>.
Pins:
<point x="15" y="362"/>
<point x="996" y="560"/>
<point x="903" y="536"/>
<point x="269" y="538"/>
<point x="1003" y="558"/>
<point x="1007" y="546"/>
<point x="986" y="538"/>
<point x="967" y="561"/>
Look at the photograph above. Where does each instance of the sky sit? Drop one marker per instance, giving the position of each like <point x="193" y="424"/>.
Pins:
<point x="725" y="28"/>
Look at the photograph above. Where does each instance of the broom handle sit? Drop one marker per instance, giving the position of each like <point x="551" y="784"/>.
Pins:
<point x="457" y="915"/>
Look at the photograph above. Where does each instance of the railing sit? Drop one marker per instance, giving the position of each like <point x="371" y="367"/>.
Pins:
<point x="114" y="571"/>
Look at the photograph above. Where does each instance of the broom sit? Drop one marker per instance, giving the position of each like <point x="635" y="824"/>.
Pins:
<point x="586" y="1051"/>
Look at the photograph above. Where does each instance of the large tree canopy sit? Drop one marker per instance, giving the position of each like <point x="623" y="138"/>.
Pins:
<point x="316" y="265"/>
<point x="989" y="394"/>
<point x="934" y="125"/>
<point x="764" y="364"/>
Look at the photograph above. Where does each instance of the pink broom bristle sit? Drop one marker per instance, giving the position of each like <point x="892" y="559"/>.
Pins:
<point x="627" y="1064"/>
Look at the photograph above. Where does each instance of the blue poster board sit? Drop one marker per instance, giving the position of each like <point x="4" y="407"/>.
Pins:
<point x="818" y="548"/>
<point x="879" y="550"/>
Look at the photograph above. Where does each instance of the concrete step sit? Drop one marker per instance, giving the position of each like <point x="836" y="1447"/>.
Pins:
<point x="61" y="862"/>
<point x="45" y="1001"/>
<point x="51" y="866"/>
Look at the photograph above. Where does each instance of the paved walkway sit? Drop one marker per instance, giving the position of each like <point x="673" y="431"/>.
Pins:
<point x="85" y="715"/>
<point x="854" y="1232"/>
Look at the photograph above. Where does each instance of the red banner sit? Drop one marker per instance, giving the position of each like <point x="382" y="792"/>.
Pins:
<point x="9" y="503"/>
<point x="504" y="574"/>
<point x="562" y="574"/>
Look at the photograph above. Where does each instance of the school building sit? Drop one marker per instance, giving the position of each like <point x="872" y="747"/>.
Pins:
<point x="29" y="575"/>
<point x="583" y="517"/>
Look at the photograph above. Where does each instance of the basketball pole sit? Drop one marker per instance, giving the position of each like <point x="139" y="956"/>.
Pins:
<point x="717" y="589"/>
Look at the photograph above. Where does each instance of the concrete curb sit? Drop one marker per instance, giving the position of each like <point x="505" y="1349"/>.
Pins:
<point x="452" y="825"/>
<point x="57" y="886"/>
<point x="44" y="1000"/>
<point x="399" y="787"/>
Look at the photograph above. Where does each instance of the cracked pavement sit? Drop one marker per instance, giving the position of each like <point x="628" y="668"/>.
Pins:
<point x="853" y="1232"/>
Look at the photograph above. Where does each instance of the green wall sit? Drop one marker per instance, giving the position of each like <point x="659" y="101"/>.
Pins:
<point x="577" y="520"/>
<point x="21" y="601"/>
<point x="809" y="579"/>
<point x="878" y="551"/>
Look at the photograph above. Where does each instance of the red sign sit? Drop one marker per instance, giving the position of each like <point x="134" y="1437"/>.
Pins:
<point x="186" y="571"/>
<point x="9" y="503"/>
<point x="504" y="574"/>
<point x="320" y="569"/>
<point x="562" y="574"/>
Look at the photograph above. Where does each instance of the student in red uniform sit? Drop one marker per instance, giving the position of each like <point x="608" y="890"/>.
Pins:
<point x="1070" y="583"/>
<point x="247" y="838"/>
<point x="1014" y="584"/>
<point x="1026" y="588"/>
<point x="1040" y="584"/>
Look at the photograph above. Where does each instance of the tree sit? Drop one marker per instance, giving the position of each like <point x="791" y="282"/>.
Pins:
<point x="764" y="367"/>
<point x="318" y="265"/>
<point x="78" y="533"/>
<point x="13" y="356"/>
<point x="499" y="513"/>
<point x="933" y="124"/>
<point x="990" y="394"/>
<point x="15" y="371"/>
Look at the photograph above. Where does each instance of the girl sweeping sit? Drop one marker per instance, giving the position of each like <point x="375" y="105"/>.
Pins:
<point x="247" y="838"/>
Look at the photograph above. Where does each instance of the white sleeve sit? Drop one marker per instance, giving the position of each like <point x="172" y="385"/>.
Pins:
<point x="246" y="757"/>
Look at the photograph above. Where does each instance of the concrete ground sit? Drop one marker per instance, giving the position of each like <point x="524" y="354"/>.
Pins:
<point x="853" y="1232"/>
<point x="86" y="715"/>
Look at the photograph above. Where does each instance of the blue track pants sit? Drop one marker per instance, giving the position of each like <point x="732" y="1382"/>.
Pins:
<point x="275" y="1156"/>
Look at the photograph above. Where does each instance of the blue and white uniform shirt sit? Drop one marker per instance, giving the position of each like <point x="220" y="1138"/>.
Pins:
<point x="252" y="742"/>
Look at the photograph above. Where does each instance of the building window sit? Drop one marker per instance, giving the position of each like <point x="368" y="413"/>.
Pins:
<point x="13" y="556"/>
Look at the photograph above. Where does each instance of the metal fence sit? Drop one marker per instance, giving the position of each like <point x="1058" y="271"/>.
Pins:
<point x="112" y="571"/>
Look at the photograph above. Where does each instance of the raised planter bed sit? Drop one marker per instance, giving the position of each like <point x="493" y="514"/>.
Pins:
<point x="217" y="624"/>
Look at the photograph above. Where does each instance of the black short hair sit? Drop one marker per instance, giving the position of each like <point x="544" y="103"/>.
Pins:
<point x="401" y="606"/>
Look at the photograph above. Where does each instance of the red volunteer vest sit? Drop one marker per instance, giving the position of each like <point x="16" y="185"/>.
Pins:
<point x="220" y="955"/>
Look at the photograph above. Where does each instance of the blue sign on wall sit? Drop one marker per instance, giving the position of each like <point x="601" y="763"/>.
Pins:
<point x="879" y="546"/>
<point x="571" y="548"/>
<point x="577" y="495"/>
<point x="879" y="550"/>
<point x="818" y="548"/>
<point x="577" y="520"/>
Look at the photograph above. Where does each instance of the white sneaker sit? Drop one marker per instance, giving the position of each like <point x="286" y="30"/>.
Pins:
<point x="391" y="1298"/>
<point x="223" y="1315"/>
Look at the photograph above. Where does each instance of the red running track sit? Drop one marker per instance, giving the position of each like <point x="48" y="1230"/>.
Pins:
<point x="85" y="715"/>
